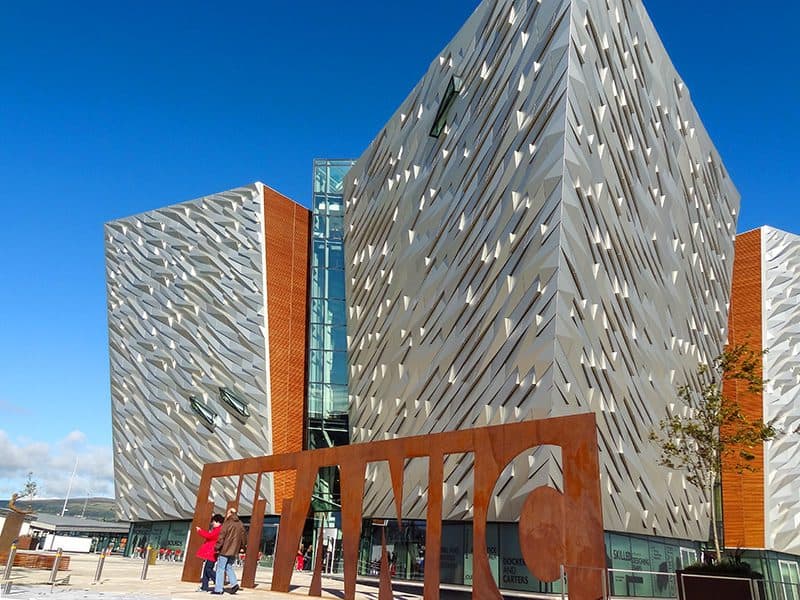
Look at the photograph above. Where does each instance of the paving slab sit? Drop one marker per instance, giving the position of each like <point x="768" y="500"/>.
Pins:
<point x="121" y="581"/>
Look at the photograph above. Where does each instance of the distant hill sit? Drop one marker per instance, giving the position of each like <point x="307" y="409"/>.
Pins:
<point x="102" y="509"/>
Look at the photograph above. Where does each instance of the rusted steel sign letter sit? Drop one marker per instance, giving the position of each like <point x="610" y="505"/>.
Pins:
<point x="555" y="528"/>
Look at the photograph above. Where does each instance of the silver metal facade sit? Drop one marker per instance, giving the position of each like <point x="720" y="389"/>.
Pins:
<point x="780" y="270"/>
<point x="186" y="316"/>
<point x="565" y="245"/>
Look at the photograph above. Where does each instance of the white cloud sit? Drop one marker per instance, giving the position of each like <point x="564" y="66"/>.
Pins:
<point x="75" y="437"/>
<point x="52" y="466"/>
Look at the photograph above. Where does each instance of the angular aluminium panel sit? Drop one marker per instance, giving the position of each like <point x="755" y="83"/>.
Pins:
<point x="452" y="243"/>
<point x="649" y="215"/>
<point x="564" y="245"/>
<point x="781" y="323"/>
<point x="187" y="316"/>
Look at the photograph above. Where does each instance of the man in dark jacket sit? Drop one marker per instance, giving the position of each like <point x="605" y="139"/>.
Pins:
<point x="231" y="540"/>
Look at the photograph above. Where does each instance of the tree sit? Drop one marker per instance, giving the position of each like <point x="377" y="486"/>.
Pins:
<point x="28" y="491"/>
<point x="711" y="428"/>
<point x="31" y="487"/>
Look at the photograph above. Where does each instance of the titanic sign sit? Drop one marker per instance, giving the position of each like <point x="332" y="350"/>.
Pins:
<point x="555" y="529"/>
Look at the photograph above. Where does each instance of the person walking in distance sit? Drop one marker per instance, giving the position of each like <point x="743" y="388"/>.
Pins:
<point x="231" y="540"/>
<point x="206" y="551"/>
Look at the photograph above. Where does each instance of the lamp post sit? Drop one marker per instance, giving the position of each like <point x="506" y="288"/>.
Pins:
<point x="85" y="502"/>
<point x="69" y="487"/>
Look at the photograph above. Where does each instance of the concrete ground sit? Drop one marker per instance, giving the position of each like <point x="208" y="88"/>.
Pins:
<point x="121" y="581"/>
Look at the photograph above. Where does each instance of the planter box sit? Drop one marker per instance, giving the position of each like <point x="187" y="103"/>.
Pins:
<point x="693" y="585"/>
<point x="35" y="560"/>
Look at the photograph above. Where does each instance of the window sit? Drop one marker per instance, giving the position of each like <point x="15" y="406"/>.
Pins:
<point x="790" y="578"/>
<point x="206" y="415"/>
<point x="238" y="405"/>
<point x="688" y="556"/>
<point x="453" y="89"/>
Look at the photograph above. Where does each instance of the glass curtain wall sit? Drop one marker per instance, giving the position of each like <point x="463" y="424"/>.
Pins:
<point x="327" y="418"/>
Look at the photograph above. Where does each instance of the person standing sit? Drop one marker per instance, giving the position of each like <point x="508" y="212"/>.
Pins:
<point x="206" y="551"/>
<point x="231" y="540"/>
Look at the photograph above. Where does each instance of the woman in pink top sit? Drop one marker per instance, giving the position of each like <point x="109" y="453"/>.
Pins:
<point x="206" y="551"/>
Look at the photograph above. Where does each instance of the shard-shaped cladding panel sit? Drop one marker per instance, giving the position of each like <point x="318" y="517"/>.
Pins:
<point x="452" y="243"/>
<point x="563" y="245"/>
<point x="781" y="314"/>
<point x="646" y="257"/>
<point x="188" y="345"/>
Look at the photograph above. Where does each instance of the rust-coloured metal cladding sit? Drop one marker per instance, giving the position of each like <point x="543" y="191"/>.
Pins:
<point x="433" y="531"/>
<point x="315" y="589"/>
<point x="542" y="524"/>
<point x="11" y="529"/>
<point x="235" y="503"/>
<point x="351" y="486"/>
<point x="192" y="565"/>
<point x="287" y="228"/>
<point x="291" y="524"/>
<point x="253" y="543"/>
<point x="283" y="549"/>
<point x="385" y="585"/>
<point x="579" y="546"/>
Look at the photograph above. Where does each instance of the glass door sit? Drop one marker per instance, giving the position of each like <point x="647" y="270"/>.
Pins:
<point x="269" y="538"/>
<point x="790" y="578"/>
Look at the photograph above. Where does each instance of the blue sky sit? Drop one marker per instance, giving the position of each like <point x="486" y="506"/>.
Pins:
<point x="111" y="108"/>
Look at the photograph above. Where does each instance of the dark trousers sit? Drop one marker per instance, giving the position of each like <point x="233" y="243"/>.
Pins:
<point x="208" y="573"/>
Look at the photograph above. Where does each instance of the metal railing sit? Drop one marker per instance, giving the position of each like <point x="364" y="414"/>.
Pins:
<point x="599" y="572"/>
<point x="630" y="583"/>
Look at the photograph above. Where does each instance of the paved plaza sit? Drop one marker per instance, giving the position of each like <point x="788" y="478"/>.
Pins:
<point x="121" y="581"/>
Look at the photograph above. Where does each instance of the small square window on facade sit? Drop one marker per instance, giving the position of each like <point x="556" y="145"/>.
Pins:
<point x="453" y="89"/>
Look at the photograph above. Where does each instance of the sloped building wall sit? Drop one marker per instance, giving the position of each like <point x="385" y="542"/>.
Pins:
<point x="564" y="246"/>
<point x="452" y="244"/>
<point x="649" y="214"/>
<point x="187" y="315"/>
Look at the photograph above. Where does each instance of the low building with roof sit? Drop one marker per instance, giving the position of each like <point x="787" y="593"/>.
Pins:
<point x="75" y="534"/>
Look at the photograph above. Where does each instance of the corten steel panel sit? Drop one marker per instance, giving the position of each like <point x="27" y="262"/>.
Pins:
<point x="564" y="245"/>
<point x="315" y="587"/>
<point x="10" y="532"/>
<point x="555" y="528"/>
<point x="743" y="493"/>
<point x="255" y="528"/>
<point x="287" y="231"/>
